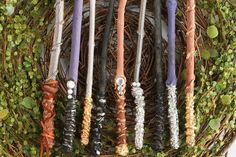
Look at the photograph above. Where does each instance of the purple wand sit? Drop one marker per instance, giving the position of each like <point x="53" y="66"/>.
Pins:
<point x="171" y="78"/>
<point x="70" y="126"/>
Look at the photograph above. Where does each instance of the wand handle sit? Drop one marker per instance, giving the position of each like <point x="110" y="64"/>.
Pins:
<point x="159" y="133"/>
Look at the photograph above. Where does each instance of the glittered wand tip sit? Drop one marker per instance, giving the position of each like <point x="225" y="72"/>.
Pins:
<point x="173" y="116"/>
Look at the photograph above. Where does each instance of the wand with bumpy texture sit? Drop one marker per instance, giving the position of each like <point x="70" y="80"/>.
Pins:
<point x="137" y="91"/>
<point x="120" y="82"/>
<point x="190" y="119"/>
<point x="159" y="116"/>
<point x="98" y="110"/>
<point x="171" y="77"/>
<point x="50" y="86"/>
<point x="70" y="126"/>
<point x="88" y="97"/>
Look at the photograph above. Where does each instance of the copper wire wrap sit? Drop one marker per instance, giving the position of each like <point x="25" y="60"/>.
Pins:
<point x="86" y="120"/>
<point x="190" y="119"/>
<point x="50" y="88"/>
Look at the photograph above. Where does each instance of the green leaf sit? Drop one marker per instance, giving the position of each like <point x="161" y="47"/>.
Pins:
<point x="205" y="54"/>
<point x="214" y="53"/>
<point x="212" y="31"/>
<point x="28" y="103"/>
<point x="3" y="114"/>
<point x="10" y="9"/>
<point x="225" y="99"/>
<point x="215" y="124"/>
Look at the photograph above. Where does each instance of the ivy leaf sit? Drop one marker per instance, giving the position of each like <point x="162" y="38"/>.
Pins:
<point x="215" y="124"/>
<point x="3" y="114"/>
<point x="225" y="99"/>
<point x="205" y="54"/>
<point x="212" y="31"/>
<point x="214" y="53"/>
<point x="28" y="103"/>
<point x="10" y="9"/>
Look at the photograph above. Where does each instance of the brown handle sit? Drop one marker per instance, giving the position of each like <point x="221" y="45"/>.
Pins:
<point x="50" y="88"/>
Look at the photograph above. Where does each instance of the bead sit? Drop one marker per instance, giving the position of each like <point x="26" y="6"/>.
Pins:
<point x="70" y="91"/>
<point x="70" y="84"/>
<point x="69" y="97"/>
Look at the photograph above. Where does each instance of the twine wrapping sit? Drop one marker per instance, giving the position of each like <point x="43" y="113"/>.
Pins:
<point x="86" y="120"/>
<point x="190" y="119"/>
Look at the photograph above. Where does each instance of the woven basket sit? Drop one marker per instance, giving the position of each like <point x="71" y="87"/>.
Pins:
<point x="147" y="73"/>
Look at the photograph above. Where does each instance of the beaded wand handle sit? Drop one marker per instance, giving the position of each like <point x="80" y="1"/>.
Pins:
<point x="159" y="133"/>
<point x="50" y="86"/>
<point x="70" y="126"/>
<point x="137" y="91"/>
<point x="98" y="110"/>
<point x="120" y="82"/>
<point x="171" y="78"/>
<point x="89" y="83"/>
<point x="190" y="119"/>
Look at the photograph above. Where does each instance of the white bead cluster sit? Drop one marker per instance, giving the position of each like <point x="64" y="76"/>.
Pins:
<point x="70" y="87"/>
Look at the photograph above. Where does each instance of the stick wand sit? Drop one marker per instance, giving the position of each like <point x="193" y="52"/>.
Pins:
<point x="120" y="82"/>
<point x="89" y="83"/>
<point x="159" y="133"/>
<point x="70" y="126"/>
<point x="190" y="119"/>
<point x="171" y="78"/>
<point x="137" y="91"/>
<point x="50" y="86"/>
<point x="99" y="113"/>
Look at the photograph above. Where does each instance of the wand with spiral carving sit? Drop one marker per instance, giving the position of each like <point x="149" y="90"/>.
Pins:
<point x="70" y="126"/>
<point x="50" y="86"/>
